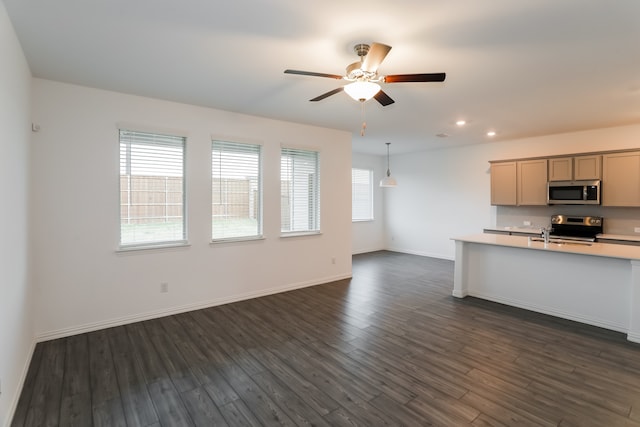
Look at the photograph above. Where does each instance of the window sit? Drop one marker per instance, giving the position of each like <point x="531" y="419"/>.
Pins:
<point x="236" y="209"/>
<point x="152" y="189"/>
<point x="299" y="191"/>
<point x="361" y="194"/>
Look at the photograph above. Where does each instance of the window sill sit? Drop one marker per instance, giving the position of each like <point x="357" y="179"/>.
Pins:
<point x="236" y="240"/>
<point x="300" y="234"/>
<point x="363" y="220"/>
<point x="159" y="248"/>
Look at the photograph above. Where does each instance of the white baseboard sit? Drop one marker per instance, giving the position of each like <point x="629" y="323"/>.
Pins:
<point x="634" y="338"/>
<point x="420" y="253"/>
<point x="103" y="324"/>
<point x="552" y="312"/>
<point x="18" y="391"/>
<point x="459" y="294"/>
<point x="366" y="251"/>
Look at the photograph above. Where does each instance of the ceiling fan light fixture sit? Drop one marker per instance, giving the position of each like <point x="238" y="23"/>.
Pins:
<point x="362" y="91"/>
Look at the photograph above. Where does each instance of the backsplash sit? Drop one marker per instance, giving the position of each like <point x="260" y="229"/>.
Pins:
<point x="616" y="220"/>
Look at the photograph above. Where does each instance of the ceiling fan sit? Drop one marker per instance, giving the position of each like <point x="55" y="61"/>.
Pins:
<point x="363" y="76"/>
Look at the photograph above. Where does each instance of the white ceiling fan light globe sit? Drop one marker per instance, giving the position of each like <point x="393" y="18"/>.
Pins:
<point x="362" y="91"/>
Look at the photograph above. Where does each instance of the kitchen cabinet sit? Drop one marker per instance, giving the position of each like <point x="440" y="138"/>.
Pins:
<point x="587" y="167"/>
<point x="575" y="168"/>
<point x="532" y="182"/>
<point x="621" y="179"/>
<point x="561" y="169"/>
<point x="522" y="183"/>
<point x="503" y="183"/>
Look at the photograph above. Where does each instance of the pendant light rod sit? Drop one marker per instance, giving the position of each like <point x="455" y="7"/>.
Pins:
<point x="388" y="181"/>
<point x="388" y="171"/>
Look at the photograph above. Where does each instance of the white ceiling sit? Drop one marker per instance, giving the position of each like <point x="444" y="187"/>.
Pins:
<point x="523" y="68"/>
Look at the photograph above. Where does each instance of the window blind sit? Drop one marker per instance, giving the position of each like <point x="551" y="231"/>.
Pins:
<point x="300" y="190"/>
<point x="361" y="194"/>
<point x="152" y="189"/>
<point x="236" y="178"/>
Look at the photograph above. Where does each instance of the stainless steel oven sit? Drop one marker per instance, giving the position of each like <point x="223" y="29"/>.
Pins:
<point x="576" y="227"/>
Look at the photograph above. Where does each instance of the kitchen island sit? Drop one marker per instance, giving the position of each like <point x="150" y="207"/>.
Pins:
<point x="597" y="283"/>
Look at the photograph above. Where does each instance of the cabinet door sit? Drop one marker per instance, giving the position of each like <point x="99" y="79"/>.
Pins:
<point x="503" y="183"/>
<point x="561" y="169"/>
<point x="532" y="182"/>
<point x="621" y="179"/>
<point x="587" y="167"/>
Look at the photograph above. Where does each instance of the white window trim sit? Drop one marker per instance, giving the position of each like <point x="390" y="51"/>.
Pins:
<point x="158" y="247"/>
<point x="288" y="234"/>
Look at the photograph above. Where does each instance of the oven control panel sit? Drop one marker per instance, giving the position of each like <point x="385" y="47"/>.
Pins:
<point x="589" y="221"/>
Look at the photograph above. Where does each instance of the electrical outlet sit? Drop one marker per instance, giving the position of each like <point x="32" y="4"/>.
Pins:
<point x="164" y="287"/>
<point x="527" y="223"/>
<point x="636" y="230"/>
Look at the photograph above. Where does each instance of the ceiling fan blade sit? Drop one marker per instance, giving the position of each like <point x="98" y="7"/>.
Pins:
<point x="314" y="74"/>
<point x="326" y="95"/>
<point x="404" y="78"/>
<point x="383" y="98"/>
<point x="373" y="59"/>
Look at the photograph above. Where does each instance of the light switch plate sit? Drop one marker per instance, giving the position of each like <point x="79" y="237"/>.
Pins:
<point x="636" y="230"/>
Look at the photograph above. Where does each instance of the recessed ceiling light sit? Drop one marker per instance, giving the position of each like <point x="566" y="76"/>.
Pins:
<point x="491" y="133"/>
<point x="461" y="122"/>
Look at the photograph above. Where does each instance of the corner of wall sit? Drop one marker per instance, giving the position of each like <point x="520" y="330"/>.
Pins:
<point x="16" y="305"/>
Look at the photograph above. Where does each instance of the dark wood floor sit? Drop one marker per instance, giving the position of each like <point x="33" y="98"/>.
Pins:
<point x="389" y="347"/>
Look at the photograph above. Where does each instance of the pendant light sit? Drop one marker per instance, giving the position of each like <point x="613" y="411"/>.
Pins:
<point x="388" y="181"/>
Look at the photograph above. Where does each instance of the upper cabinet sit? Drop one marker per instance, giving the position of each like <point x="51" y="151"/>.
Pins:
<point x="523" y="182"/>
<point x="503" y="184"/>
<point x="519" y="183"/>
<point x="561" y="169"/>
<point x="587" y="167"/>
<point x="575" y="168"/>
<point x="532" y="182"/>
<point x="621" y="179"/>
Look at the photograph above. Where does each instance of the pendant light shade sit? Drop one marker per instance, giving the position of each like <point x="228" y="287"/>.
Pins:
<point x="388" y="181"/>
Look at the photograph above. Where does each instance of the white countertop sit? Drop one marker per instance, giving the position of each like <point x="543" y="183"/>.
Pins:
<point x="595" y="249"/>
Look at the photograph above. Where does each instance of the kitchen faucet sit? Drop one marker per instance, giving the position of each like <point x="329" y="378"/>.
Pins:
<point x="546" y="231"/>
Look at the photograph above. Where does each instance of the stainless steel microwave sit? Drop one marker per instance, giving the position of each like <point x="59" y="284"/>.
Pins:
<point x="573" y="192"/>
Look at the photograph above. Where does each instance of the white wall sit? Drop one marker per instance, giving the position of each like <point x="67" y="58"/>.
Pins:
<point x="446" y="193"/>
<point x="83" y="284"/>
<point x="16" y="326"/>
<point x="369" y="236"/>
